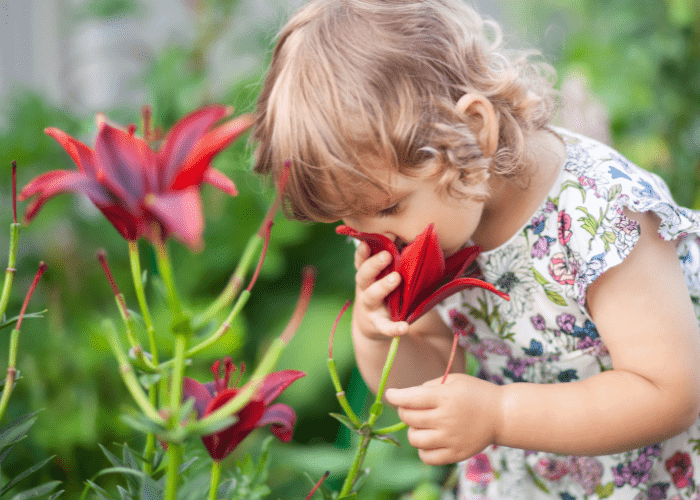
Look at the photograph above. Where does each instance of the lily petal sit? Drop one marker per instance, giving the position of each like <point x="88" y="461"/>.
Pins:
<point x="191" y="172"/>
<point x="221" y="443"/>
<point x="219" y="180"/>
<point x="421" y="266"/>
<point x="56" y="182"/>
<point x="451" y="288"/>
<point x="83" y="156"/>
<point x="457" y="264"/>
<point x="276" y="382"/>
<point x="182" y="138"/>
<point x="202" y="396"/>
<point x="180" y="213"/>
<point x="122" y="162"/>
<point x="281" y="419"/>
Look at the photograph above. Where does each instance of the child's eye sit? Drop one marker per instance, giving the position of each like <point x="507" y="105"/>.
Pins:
<point x="386" y="212"/>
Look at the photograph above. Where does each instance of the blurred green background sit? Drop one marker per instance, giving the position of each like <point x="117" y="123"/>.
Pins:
<point x="629" y="68"/>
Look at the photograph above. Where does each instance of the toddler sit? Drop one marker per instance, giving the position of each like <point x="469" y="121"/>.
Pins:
<point x="396" y="114"/>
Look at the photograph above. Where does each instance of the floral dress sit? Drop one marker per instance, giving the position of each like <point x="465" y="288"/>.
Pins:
<point x="545" y="333"/>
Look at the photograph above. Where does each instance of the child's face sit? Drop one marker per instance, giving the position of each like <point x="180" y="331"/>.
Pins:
<point x="414" y="205"/>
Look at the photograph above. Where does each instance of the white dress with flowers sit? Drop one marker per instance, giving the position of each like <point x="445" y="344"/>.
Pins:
<point x="545" y="334"/>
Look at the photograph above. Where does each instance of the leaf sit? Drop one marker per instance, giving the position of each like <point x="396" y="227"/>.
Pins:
<point x="6" y="452"/>
<point x="213" y="427"/>
<point x="38" y="492"/>
<point x="605" y="491"/>
<point x="100" y="492"/>
<point x="142" y="424"/>
<point x="387" y="438"/>
<point x="351" y="496"/>
<point x="555" y="297"/>
<point x="17" y="430"/>
<point x="345" y="421"/>
<point x="186" y="465"/>
<point x="24" y="474"/>
<point x="12" y="321"/>
<point x="538" y="482"/>
<point x="539" y="278"/>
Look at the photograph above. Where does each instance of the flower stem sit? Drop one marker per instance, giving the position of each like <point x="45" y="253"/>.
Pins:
<point x="11" y="372"/>
<point x="10" y="271"/>
<point x="367" y="429"/>
<point x="141" y="296"/>
<point x="174" y="461"/>
<point x="215" y="476"/>
<point x="150" y="447"/>
<point x="127" y="373"/>
<point x="235" y="283"/>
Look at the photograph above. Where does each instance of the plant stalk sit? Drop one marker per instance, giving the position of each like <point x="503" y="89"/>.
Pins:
<point x="10" y="271"/>
<point x="215" y="476"/>
<point x="11" y="372"/>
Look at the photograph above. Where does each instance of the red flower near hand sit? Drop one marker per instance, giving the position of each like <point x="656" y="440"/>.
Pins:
<point x="135" y="186"/>
<point x="257" y="413"/>
<point x="681" y="469"/>
<point x="427" y="278"/>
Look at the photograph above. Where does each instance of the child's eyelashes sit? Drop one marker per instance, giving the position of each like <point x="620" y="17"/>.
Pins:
<point x="388" y="211"/>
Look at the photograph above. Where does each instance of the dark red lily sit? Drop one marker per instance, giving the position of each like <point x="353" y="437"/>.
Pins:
<point x="259" y="411"/>
<point x="136" y="187"/>
<point x="427" y="278"/>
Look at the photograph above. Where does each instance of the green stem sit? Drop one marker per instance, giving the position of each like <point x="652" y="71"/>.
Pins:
<point x="174" y="461"/>
<point x="355" y="467"/>
<point x="391" y="429"/>
<point x="10" y="271"/>
<point x="166" y="274"/>
<point x="11" y="372"/>
<point x="215" y="476"/>
<point x="141" y="296"/>
<point x="127" y="373"/>
<point x="376" y="409"/>
<point x="178" y="372"/>
<point x="340" y="394"/>
<point x="235" y="283"/>
<point x="375" y="412"/>
<point x="145" y="313"/>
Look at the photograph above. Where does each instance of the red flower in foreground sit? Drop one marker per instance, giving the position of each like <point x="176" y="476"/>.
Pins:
<point x="257" y="413"/>
<point x="135" y="186"/>
<point x="427" y="278"/>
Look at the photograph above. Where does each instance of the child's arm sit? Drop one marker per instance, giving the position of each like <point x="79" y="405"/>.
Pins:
<point x="643" y="313"/>
<point x="424" y="349"/>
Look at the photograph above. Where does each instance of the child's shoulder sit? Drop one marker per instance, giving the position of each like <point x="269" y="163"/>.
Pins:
<point x="595" y="168"/>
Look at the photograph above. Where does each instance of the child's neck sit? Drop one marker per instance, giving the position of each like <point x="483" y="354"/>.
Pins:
<point x="511" y="206"/>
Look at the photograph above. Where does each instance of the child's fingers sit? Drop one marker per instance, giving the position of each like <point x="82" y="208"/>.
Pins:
<point x="390" y="328"/>
<point x="374" y="295"/>
<point x="369" y="270"/>
<point x="362" y="253"/>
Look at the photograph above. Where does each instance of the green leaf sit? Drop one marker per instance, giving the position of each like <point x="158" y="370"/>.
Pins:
<point x="38" y="492"/>
<point x="538" y="482"/>
<point x="100" y="492"/>
<point x="17" y="430"/>
<point x="213" y="427"/>
<point x="387" y="438"/>
<point x="345" y="421"/>
<point x="35" y="315"/>
<point x="555" y="297"/>
<point x="539" y="278"/>
<point x="351" y="496"/>
<point x="142" y="423"/>
<point x="24" y="474"/>
<point x="605" y="491"/>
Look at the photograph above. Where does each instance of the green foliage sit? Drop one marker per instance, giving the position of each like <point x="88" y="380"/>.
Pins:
<point x="640" y="57"/>
<point x="10" y="435"/>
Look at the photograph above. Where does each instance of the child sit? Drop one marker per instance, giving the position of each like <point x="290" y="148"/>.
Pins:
<point x="396" y="114"/>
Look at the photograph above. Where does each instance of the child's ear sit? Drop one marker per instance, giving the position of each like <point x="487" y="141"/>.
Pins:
<point x="483" y="120"/>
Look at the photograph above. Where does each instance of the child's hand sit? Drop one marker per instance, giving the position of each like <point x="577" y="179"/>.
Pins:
<point x="370" y="315"/>
<point x="449" y="422"/>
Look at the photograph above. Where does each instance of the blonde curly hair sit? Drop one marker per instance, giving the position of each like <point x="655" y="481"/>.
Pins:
<point x="357" y="82"/>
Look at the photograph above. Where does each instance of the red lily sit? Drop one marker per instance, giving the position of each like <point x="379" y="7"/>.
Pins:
<point x="427" y="278"/>
<point x="257" y="413"/>
<point x="135" y="186"/>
